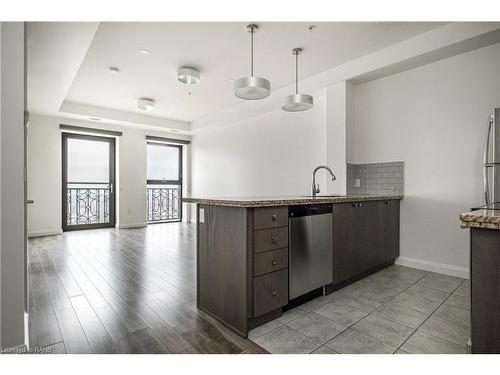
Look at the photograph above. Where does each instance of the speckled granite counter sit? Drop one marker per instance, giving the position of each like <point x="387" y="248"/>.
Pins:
<point x="286" y="200"/>
<point x="486" y="219"/>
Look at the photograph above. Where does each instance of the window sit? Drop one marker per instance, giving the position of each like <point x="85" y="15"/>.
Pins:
<point x="164" y="182"/>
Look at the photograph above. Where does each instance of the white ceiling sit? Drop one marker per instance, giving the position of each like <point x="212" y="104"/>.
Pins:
<point x="221" y="52"/>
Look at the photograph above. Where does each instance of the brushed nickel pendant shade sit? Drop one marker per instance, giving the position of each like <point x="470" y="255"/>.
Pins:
<point x="252" y="88"/>
<point x="297" y="102"/>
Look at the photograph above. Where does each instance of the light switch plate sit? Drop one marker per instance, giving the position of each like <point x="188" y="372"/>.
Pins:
<point x="357" y="182"/>
<point x="202" y="215"/>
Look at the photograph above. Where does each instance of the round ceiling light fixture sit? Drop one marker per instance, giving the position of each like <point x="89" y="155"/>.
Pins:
<point x="144" y="51"/>
<point x="297" y="102"/>
<point x="252" y="88"/>
<point x="187" y="75"/>
<point x="146" y="104"/>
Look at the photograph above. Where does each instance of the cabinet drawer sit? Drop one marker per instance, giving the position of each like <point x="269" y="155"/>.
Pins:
<point x="270" y="217"/>
<point x="270" y="261"/>
<point x="270" y="292"/>
<point x="270" y="239"/>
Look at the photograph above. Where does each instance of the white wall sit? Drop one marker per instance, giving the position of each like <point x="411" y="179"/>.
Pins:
<point x="44" y="173"/>
<point x="434" y="118"/>
<point x="272" y="154"/>
<point x="12" y="201"/>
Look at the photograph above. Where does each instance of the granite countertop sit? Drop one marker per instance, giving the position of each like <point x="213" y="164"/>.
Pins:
<point x="286" y="200"/>
<point x="487" y="219"/>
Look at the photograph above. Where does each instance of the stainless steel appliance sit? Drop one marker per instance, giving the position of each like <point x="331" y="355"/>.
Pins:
<point x="491" y="166"/>
<point x="310" y="248"/>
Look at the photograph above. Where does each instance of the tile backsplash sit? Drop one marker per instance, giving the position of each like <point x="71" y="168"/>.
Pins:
<point x="375" y="178"/>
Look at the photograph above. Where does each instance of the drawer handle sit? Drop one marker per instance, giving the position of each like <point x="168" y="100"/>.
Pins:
<point x="356" y="205"/>
<point x="274" y="292"/>
<point x="273" y="217"/>
<point x="274" y="262"/>
<point x="388" y="203"/>
<point x="274" y="240"/>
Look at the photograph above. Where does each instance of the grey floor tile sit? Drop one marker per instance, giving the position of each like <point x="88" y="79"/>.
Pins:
<point x="284" y="340"/>
<point x="355" y="342"/>
<point x="463" y="290"/>
<point x="401" y="351"/>
<point x="317" y="327"/>
<point x="290" y="315"/>
<point x="318" y="302"/>
<point x="263" y="329"/>
<point x="461" y="302"/>
<point x="421" y="304"/>
<point x="324" y="350"/>
<point x="401" y="314"/>
<point x="428" y="293"/>
<point x="341" y="313"/>
<point x="384" y="330"/>
<point x="453" y="314"/>
<point x="449" y="331"/>
<point x="421" y="342"/>
<point x="441" y="282"/>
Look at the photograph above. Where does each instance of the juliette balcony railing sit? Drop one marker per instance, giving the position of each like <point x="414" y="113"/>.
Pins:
<point x="87" y="203"/>
<point x="163" y="203"/>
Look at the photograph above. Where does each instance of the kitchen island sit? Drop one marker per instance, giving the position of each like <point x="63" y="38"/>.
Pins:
<point x="484" y="227"/>
<point x="243" y="259"/>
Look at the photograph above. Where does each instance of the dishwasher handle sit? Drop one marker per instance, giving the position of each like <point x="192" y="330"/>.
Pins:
<point x="309" y="210"/>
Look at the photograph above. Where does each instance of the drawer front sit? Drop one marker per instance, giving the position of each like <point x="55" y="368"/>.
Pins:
<point x="270" y="261"/>
<point x="270" y="292"/>
<point x="270" y="217"/>
<point x="270" y="239"/>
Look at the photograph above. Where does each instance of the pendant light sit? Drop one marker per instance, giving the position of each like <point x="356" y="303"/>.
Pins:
<point x="252" y="88"/>
<point x="297" y="102"/>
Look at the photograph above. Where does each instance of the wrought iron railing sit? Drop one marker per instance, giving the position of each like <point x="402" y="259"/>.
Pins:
<point x="163" y="203"/>
<point x="87" y="203"/>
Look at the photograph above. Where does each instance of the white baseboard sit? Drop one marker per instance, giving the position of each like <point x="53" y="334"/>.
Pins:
<point x="425" y="265"/>
<point x="130" y="226"/>
<point x="44" y="232"/>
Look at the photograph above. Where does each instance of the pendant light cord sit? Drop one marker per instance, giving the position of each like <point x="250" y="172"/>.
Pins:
<point x="251" y="51"/>
<point x="296" y="73"/>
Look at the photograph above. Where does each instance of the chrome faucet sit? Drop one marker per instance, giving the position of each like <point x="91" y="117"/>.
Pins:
<point x="315" y="188"/>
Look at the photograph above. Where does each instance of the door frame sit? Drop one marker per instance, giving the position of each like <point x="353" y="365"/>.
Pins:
<point x="169" y="182"/>
<point x="112" y="177"/>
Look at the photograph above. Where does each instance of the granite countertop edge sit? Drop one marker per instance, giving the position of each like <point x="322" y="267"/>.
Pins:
<point x="250" y="202"/>
<point x="484" y="219"/>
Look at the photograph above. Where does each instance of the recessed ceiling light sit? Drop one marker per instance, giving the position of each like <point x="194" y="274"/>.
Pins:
<point x="113" y="70"/>
<point x="145" y="51"/>
<point x="94" y="119"/>
<point x="187" y="75"/>
<point x="146" y="104"/>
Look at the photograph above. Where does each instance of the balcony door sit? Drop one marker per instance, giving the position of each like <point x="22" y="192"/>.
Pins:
<point x="88" y="182"/>
<point x="164" y="183"/>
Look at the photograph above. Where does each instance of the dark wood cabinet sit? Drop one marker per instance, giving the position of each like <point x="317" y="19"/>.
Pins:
<point x="485" y="290"/>
<point x="389" y="222"/>
<point x="365" y="236"/>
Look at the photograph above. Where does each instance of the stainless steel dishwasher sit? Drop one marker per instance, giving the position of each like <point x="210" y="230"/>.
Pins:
<point x="310" y="247"/>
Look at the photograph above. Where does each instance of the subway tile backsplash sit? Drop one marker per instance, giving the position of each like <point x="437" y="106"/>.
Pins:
<point x="376" y="178"/>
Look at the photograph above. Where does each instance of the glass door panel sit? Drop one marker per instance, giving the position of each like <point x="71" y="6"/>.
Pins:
<point x="88" y="181"/>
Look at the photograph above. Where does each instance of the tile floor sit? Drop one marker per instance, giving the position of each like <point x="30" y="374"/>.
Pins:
<point x="397" y="310"/>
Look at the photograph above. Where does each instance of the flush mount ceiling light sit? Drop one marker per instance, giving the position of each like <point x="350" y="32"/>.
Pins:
<point x="113" y="70"/>
<point x="297" y="102"/>
<point x="252" y="88"/>
<point x="146" y="104"/>
<point x="145" y="51"/>
<point x="187" y="75"/>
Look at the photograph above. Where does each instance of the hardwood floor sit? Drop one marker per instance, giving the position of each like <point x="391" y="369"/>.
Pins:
<point x="122" y="291"/>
